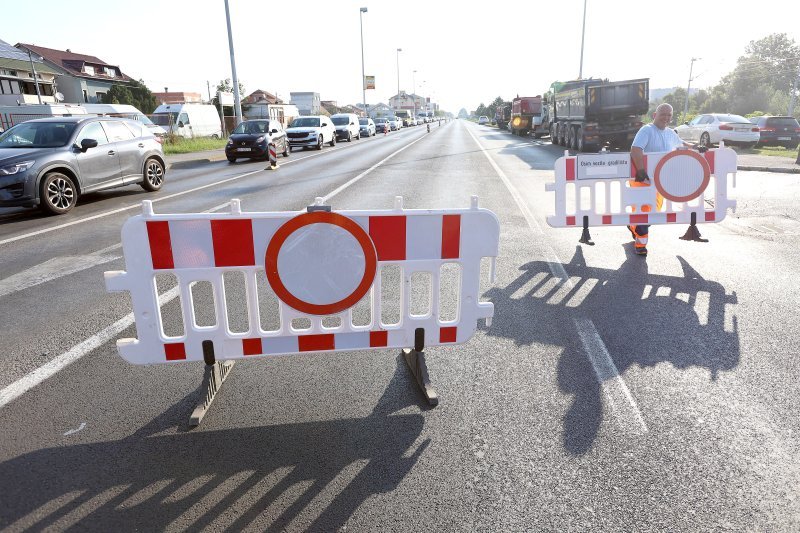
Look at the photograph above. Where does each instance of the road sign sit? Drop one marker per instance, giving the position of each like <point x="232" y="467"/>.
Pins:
<point x="369" y="82"/>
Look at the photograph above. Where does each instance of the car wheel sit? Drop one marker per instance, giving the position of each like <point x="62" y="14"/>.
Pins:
<point x="153" y="175"/>
<point x="791" y="146"/>
<point x="333" y="140"/>
<point x="231" y="160"/>
<point x="319" y="142"/>
<point x="57" y="194"/>
<point x="287" y="149"/>
<point x="349" y="137"/>
<point x="705" y="140"/>
<point x="579" y="140"/>
<point x="215" y="136"/>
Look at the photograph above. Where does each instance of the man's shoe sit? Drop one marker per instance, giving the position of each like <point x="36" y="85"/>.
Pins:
<point x="640" y="251"/>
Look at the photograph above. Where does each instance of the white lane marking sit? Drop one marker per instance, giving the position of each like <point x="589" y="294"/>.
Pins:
<point x="595" y="349"/>
<point x="33" y="378"/>
<point x="73" y="431"/>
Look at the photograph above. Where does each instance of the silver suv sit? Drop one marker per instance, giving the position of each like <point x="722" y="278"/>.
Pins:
<point x="50" y="162"/>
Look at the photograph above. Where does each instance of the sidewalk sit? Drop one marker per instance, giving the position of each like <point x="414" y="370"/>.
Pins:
<point x="768" y="163"/>
<point x="194" y="159"/>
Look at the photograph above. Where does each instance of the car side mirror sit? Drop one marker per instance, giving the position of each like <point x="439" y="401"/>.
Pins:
<point x="180" y="124"/>
<point x="88" y="143"/>
<point x="686" y="123"/>
<point x="324" y="124"/>
<point x="352" y="123"/>
<point x="274" y="130"/>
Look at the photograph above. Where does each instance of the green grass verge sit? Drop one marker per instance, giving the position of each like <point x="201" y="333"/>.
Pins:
<point x="185" y="146"/>
<point x="776" y="151"/>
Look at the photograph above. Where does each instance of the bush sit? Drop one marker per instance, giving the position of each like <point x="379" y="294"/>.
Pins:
<point x="179" y="145"/>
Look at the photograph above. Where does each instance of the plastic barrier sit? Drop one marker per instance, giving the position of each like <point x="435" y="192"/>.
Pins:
<point x="319" y="264"/>
<point x="594" y="190"/>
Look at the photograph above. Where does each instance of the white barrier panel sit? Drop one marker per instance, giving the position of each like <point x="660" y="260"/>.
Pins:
<point x="319" y="264"/>
<point x="597" y="187"/>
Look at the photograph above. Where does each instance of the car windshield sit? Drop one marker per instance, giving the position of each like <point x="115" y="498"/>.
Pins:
<point x="340" y="121"/>
<point x="165" y="119"/>
<point x="363" y="121"/>
<point x="736" y="119"/>
<point x="381" y="120"/>
<point x="305" y="122"/>
<point x="252" y="127"/>
<point x="38" y="135"/>
<point x="782" y="121"/>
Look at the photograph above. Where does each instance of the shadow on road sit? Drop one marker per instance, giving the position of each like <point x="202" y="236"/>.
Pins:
<point x="308" y="476"/>
<point x="643" y="319"/>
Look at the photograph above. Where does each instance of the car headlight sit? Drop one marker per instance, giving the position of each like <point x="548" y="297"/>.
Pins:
<point x="230" y="142"/>
<point x="16" y="168"/>
<point x="261" y="139"/>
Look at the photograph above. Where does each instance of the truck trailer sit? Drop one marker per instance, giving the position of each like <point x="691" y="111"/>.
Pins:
<point x="529" y="114"/>
<point x="589" y="114"/>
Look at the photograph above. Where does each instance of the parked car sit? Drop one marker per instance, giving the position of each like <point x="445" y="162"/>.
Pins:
<point x="367" y="126"/>
<point x="778" y="131"/>
<point x="50" y="162"/>
<point x="396" y="123"/>
<point x="382" y="124"/>
<point x="347" y="127"/>
<point x="311" y="131"/>
<point x="251" y="139"/>
<point x="483" y="119"/>
<point x="710" y="129"/>
<point x="189" y="120"/>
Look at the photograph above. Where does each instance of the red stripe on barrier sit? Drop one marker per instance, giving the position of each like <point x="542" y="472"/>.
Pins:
<point x="448" y="334"/>
<point x="570" y="221"/>
<point x="710" y="159"/>
<point x="389" y="236"/>
<point x="252" y="347"/>
<point x="451" y="236"/>
<point x="570" y="169"/>
<point x="672" y="217"/>
<point x="175" y="351"/>
<point x="378" y="339"/>
<point x="710" y="216"/>
<point x="316" y="343"/>
<point x="639" y="219"/>
<point x="606" y="219"/>
<point x="160" y="244"/>
<point x="233" y="242"/>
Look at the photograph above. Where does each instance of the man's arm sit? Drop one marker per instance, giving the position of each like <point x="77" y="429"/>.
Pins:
<point x="637" y="156"/>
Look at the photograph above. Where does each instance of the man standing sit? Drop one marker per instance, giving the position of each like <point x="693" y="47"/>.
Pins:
<point x="653" y="137"/>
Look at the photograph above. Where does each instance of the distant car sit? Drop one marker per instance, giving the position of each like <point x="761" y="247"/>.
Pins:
<point x="51" y="162"/>
<point x="483" y="119"/>
<point x="347" y="127"/>
<point x="411" y="121"/>
<point x="251" y="140"/>
<point x="382" y="124"/>
<point x="778" y="131"/>
<point x="396" y="123"/>
<point x="366" y="126"/>
<point x="710" y="129"/>
<point x="311" y="132"/>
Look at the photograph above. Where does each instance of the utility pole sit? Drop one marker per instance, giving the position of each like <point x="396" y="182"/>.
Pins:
<point x="236" y="98"/>
<point x="689" y="86"/>
<point x="583" y="34"/>
<point x="791" y="100"/>
<point x="363" y="76"/>
<point x="398" y="69"/>
<point x="35" y="77"/>
<point x="208" y="84"/>
<point x="414" y="92"/>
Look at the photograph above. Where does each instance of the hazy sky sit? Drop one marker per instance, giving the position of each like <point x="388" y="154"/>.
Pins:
<point x="464" y="53"/>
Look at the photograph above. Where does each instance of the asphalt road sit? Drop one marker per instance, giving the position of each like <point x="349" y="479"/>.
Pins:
<point x="611" y="392"/>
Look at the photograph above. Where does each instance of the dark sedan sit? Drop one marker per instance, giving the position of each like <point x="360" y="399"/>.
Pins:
<point x="251" y="140"/>
<point x="778" y="131"/>
<point x="50" y="162"/>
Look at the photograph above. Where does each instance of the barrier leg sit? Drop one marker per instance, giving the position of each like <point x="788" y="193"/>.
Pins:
<point x="693" y="234"/>
<point x="415" y="359"/>
<point x="586" y="238"/>
<point x="213" y="378"/>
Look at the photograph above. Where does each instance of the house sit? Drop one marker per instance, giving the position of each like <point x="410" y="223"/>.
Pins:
<point x="17" y="78"/>
<point x="413" y="103"/>
<point x="307" y="102"/>
<point x="261" y="97"/>
<point x="380" y="110"/>
<point x="178" y="97"/>
<point x="80" y="78"/>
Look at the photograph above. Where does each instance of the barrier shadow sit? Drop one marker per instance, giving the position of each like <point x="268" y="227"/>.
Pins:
<point x="302" y="476"/>
<point x="643" y="319"/>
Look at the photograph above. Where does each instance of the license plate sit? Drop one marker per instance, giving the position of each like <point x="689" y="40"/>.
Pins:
<point x="784" y="138"/>
<point x="243" y="149"/>
<point x="741" y="129"/>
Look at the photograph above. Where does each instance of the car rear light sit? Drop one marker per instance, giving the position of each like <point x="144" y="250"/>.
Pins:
<point x="797" y="130"/>
<point x="754" y="129"/>
<point x="725" y="127"/>
<point x="767" y="129"/>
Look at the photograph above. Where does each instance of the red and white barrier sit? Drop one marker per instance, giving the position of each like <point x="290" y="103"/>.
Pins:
<point x="319" y="264"/>
<point x="596" y="187"/>
<point x="273" y="157"/>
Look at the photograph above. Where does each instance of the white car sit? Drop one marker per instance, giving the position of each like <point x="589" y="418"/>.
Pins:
<point x="367" y="126"/>
<point x="396" y="123"/>
<point x="711" y="128"/>
<point x="483" y="119"/>
<point x="347" y="127"/>
<point x="311" y="132"/>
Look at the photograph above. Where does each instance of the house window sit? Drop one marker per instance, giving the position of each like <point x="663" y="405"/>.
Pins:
<point x="85" y="97"/>
<point x="88" y="69"/>
<point x="110" y="72"/>
<point x="5" y="87"/>
<point x="100" y="97"/>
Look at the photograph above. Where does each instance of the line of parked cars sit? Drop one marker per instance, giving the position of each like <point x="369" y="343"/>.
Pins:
<point x="711" y="128"/>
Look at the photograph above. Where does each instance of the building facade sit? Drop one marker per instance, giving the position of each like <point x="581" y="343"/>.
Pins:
<point x="308" y="103"/>
<point x="17" y="85"/>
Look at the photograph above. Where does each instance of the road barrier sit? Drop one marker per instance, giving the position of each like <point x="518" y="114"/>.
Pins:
<point x="686" y="187"/>
<point x="273" y="157"/>
<point x="319" y="264"/>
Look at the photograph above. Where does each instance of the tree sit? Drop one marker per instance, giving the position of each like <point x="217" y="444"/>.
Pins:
<point x="498" y="102"/>
<point x="135" y="93"/>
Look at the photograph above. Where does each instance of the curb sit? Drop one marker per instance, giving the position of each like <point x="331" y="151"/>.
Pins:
<point x="770" y="169"/>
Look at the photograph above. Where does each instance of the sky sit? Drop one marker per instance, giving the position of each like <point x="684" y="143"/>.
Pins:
<point x="464" y="53"/>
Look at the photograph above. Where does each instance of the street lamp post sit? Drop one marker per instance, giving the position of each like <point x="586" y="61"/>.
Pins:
<point x="688" y="86"/>
<point x="414" y="91"/>
<point x="236" y="98"/>
<point x="583" y="34"/>
<point x="398" y="70"/>
<point x="363" y="77"/>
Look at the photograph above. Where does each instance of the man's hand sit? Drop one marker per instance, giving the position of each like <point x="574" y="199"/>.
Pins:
<point x="641" y="176"/>
<point x="702" y="149"/>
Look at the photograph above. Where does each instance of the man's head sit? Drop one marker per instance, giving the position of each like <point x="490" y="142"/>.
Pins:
<point x="662" y="116"/>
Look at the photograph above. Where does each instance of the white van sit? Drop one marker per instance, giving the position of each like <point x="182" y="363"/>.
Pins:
<point x="189" y="120"/>
<point x="11" y="115"/>
<point x="125" y="111"/>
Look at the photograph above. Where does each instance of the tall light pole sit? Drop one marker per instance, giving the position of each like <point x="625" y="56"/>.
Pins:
<point x="414" y="91"/>
<point x="688" y="86"/>
<point x="583" y="33"/>
<point x="398" y="70"/>
<point x="237" y="108"/>
<point x="791" y="101"/>
<point x="35" y="77"/>
<point x="363" y="77"/>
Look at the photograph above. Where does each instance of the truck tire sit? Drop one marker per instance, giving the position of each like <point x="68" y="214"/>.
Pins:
<point x="554" y="135"/>
<point x="579" y="144"/>
<point x="562" y="135"/>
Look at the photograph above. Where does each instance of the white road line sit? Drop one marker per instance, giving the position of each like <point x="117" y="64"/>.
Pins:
<point x="32" y="379"/>
<point x="622" y="403"/>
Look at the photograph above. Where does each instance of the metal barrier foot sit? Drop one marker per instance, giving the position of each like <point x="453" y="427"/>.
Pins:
<point x="586" y="238"/>
<point x="215" y="374"/>
<point x="693" y="234"/>
<point x="415" y="359"/>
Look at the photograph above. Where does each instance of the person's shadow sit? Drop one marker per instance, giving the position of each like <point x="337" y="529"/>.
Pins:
<point x="643" y="319"/>
<point x="306" y="476"/>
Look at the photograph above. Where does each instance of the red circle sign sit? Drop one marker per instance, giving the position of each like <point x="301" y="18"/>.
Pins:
<point x="307" y="219"/>
<point x="684" y="181"/>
